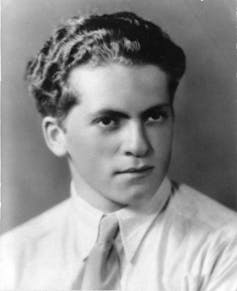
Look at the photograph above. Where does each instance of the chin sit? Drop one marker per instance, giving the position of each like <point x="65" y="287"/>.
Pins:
<point x="136" y="195"/>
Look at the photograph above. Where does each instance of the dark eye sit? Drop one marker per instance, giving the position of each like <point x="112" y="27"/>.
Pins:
<point x="107" y="121"/>
<point x="157" y="116"/>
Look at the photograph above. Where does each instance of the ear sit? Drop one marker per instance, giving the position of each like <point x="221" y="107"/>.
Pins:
<point x="54" y="136"/>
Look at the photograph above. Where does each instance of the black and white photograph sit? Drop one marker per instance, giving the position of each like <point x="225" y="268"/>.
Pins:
<point x="118" y="145"/>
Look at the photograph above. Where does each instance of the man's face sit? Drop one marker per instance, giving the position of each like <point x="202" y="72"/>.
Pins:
<point x="119" y="136"/>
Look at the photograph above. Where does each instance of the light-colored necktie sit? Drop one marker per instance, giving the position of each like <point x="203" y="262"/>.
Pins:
<point x="102" y="270"/>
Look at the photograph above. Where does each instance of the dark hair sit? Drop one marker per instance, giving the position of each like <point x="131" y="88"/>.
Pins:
<point x="121" y="37"/>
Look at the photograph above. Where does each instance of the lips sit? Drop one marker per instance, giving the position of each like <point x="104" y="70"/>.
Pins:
<point x="137" y="170"/>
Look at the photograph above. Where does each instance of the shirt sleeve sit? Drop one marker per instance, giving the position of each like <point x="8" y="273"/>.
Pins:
<point x="8" y="261"/>
<point x="222" y="275"/>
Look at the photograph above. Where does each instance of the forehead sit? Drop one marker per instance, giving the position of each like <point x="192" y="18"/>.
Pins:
<point x="118" y="86"/>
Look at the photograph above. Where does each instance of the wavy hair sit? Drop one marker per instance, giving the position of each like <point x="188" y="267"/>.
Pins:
<point x="95" y="40"/>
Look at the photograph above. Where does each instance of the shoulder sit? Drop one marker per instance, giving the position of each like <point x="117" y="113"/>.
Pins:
<point x="196" y="207"/>
<point x="200" y="220"/>
<point x="31" y="231"/>
<point x="205" y="233"/>
<point x="32" y="240"/>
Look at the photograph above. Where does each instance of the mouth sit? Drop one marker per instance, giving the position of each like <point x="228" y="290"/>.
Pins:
<point x="138" y="170"/>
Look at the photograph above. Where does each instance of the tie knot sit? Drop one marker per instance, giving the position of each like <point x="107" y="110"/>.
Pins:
<point x="108" y="229"/>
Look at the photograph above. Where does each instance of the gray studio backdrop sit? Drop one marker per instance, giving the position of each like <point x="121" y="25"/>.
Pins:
<point x="205" y="145"/>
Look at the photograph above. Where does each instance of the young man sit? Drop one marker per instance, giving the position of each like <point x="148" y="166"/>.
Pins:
<point x="104" y="85"/>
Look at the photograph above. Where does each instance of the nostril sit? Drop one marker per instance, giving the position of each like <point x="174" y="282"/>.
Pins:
<point x="138" y="152"/>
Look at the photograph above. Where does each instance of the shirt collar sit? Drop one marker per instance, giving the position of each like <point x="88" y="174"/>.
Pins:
<point x="87" y="219"/>
<point x="133" y="223"/>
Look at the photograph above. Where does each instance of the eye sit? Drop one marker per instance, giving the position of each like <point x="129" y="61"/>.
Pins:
<point x="157" y="116"/>
<point x="107" y="122"/>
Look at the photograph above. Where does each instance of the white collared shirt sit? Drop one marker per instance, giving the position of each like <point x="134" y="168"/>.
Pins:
<point x="180" y="240"/>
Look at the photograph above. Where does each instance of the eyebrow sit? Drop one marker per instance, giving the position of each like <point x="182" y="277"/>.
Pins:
<point x="156" y="107"/>
<point x="120" y="114"/>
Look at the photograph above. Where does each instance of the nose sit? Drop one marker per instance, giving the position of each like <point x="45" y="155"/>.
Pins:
<point x="136" y="141"/>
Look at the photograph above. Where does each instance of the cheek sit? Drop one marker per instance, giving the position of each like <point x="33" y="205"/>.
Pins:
<point x="161" y="140"/>
<point x="90" y="146"/>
